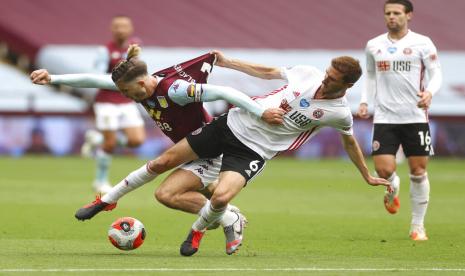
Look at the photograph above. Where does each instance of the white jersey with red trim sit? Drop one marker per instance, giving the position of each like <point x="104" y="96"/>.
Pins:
<point x="399" y="68"/>
<point x="304" y="118"/>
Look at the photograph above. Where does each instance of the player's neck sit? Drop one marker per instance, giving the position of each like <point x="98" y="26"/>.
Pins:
<point x="322" y="94"/>
<point x="397" y="35"/>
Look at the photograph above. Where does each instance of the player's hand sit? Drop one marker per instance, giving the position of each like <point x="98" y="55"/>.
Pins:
<point x="40" y="76"/>
<point x="363" y="111"/>
<point x="425" y="99"/>
<point x="221" y="60"/>
<point x="377" y="181"/>
<point x="273" y="116"/>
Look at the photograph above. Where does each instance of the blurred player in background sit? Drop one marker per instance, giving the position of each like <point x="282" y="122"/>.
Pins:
<point x="113" y="111"/>
<point x="396" y="64"/>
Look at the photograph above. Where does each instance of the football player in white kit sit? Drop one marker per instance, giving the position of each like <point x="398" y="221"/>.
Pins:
<point x="396" y="65"/>
<point x="311" y="100"/>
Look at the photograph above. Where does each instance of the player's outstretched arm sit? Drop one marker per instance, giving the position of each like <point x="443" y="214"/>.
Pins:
<point x="182" y="93"/>
<point x="42" y="76"/>
<point x="355" y="153"/>
<point x="252" y="69"/>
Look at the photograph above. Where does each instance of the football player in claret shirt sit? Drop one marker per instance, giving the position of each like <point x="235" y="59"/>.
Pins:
<point x="396" y="65"/>
<point x="113" y="111"/>
<point x="173" y="97"/>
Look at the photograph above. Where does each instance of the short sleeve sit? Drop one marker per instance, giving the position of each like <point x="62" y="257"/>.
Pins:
<point x="345" y="125"/>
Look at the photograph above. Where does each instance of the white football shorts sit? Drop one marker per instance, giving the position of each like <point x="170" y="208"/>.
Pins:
<point x="109" y="116"/>
<point x="207" y="170"/>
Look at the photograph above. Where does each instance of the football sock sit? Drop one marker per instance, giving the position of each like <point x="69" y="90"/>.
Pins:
<point x="394" y="179"/>
<point x="133" y="181"/>
<point x="419" y="197"/>
<point x="103" y="161"/>
<point x="227" y="219"/>
<point x="208" y="216"/>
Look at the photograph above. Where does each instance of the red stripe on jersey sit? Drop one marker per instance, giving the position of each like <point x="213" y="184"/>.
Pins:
<point x="271" y="93"/>
<point x="301" y="139"/>
<point x="291" y="147"/>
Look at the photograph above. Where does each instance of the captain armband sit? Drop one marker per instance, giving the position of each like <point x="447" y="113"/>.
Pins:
<point x="195" y="91"/>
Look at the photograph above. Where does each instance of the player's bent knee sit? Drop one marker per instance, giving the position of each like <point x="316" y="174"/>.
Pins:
<point x="162" y="164"/>
<point x="384" y="173"/>
<point x="220" y="201"/>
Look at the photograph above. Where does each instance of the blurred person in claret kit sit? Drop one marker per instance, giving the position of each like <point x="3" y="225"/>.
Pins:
<point x="113" y="111"/>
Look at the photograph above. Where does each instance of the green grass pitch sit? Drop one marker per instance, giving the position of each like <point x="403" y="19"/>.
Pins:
<point x="304" y="217"/>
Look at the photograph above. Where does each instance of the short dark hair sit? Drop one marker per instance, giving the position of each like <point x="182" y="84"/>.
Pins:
<point x="349" y="67"/>
<point x="408" y="6"/>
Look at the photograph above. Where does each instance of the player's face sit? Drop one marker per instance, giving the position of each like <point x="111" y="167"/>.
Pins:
<point x="121" y="28"/>
<point x="395" y="17"/>
<point x="333" y="81"/>
<point x="136" y="90"/>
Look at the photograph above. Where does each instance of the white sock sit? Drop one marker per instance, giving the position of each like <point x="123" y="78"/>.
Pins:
<point x="133" y="181"/>
<point x="419" y="197"/>
<point x="103" y="161"/>
<point x="395" y="180"/>
<point x="208" y="216"/>
<point x="228" y="218"/>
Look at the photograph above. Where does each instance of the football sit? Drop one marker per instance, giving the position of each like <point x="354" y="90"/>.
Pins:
<point x="126" y="233"/>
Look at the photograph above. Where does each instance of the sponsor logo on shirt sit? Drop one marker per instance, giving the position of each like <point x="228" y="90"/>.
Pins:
<point x="296" y="94"/>
<point x="407" y="51"/>
<point x="392" y="49"/>
<point x="378" y="52"/>
<point x="304" y="103"/>
<point x="300" y="119"/>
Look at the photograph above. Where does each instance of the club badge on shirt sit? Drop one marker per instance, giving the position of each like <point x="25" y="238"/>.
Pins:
<point x="162" y="101"/>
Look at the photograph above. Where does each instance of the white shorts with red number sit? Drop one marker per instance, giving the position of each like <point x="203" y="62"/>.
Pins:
<point x="109" y="116"/>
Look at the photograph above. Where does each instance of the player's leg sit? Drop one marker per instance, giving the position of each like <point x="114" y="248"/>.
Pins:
<point x="180" y="191"/>
<point x="385" y="146"/>
<point x="101" y="144"/>
<point x="174" y="156"/>
<point x="419" y="195"/>
<point x="417" y="147"/>
<point x="229" y="185"/>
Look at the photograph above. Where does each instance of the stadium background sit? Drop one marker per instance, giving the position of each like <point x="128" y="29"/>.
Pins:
<point x="63" y="36"/>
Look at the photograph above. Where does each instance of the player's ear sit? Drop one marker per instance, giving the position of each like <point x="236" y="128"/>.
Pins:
<point x="141" y="82"/>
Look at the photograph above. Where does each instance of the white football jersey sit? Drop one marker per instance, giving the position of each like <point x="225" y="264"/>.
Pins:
<point x="399" y="67"/>
<point x="304" y="118"/>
